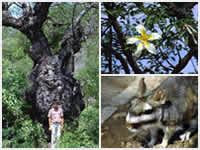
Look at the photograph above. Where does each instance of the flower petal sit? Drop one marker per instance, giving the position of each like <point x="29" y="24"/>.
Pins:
<point x="150" y="47"/>
<point x="139" y="49"/>
<point x="154" y="36"/>
<point x="132" y="40"/>
<point x="141" y="29"/>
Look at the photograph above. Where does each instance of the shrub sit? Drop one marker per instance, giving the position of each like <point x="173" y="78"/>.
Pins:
<point x="87" y="133"/>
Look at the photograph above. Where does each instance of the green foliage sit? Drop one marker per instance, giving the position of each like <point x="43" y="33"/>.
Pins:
<point x="86" y="135"/>
<point x="63" y="13"/>
<point x="89" y="75"/>
<point x="24" y="134"/>
<point x="92" y="125"/>
<point x="14" y="49"/>
<point x="11" y="106"/>
<point x="175" y="43"/>
<point x="19" y="131"/>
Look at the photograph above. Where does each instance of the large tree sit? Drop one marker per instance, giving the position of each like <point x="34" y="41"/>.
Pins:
<point x="177" y="50"/>
<point x="52" y="73"/>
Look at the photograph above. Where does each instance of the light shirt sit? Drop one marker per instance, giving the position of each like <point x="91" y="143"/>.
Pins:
<point x="56" y="116"/>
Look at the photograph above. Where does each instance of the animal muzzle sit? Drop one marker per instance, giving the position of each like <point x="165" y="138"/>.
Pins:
<point x="131" y="119"/>
<point x="135" y="122"/>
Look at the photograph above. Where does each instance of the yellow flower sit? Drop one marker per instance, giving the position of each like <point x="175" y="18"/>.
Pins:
<point x="144" y="40"/>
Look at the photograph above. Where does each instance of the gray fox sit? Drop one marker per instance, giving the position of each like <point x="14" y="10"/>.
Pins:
<point x="171" y="107"/>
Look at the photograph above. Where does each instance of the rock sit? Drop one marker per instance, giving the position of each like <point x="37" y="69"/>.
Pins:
<point x="107" y="112"/>
<point x="119" y="115"/>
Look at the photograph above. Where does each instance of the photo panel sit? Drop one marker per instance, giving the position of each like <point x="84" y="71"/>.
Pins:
<point x="50" y="75"/>
<point x="149" y="38"/>
<point x="55" y="94"/>
<point x="149" y="112"/>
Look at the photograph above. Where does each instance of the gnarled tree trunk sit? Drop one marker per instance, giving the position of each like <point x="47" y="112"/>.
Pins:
<point x="52" y="75"/>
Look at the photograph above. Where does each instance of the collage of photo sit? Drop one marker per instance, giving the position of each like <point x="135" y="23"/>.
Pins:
<point x="99" y="74"/>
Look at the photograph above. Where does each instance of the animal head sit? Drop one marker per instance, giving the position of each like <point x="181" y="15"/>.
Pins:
<point x="145" y="110"/>
<point x="140" y="112"/>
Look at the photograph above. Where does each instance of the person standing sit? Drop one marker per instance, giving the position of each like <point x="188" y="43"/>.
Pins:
<point x="56" y="123"/>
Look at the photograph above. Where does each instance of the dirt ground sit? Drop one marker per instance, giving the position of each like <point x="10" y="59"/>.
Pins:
<point x="116" y="135"/>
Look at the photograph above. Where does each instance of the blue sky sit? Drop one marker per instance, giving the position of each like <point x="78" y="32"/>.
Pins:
<point x="189" y="68"/>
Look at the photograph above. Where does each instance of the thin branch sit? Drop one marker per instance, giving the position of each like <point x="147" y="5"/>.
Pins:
<point x="122" y="60"/>
<point x="166" y="59"/>
<point x="179" y="55"/>
<point x="148" y="70"/>
<point x="17" y="4"/>
<point x="73" y="15"/>
<point x="83" y="13"/>
<point x="55" y="22"/>
<point x="191" y="31"/>
<point x="102" y="34"/>
<point x="77" y="22"/>
<point x="110" y="54"/>
<point x="184" y="62"/>
<point x="122" y="40"/>
<point x="164" y="67"/>
<point x="118" y="56"/>
<point x="72" y="39"/>
<point x="30" y="24"/>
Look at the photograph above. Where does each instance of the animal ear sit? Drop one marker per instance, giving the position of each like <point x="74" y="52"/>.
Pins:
<point x="142" y="87"/>
<point x="160" y="96"/>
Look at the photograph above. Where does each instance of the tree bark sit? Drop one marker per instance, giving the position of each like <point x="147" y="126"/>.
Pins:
<point x="52" y="75"/>
<point x="122" y="40"/>
<point x="183" y="10"/>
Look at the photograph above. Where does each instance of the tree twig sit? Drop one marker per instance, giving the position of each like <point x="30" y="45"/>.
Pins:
<point x="184" y="62"/>
<point x="122" y="40"/>
<point x="55" y="22"/>
<point x="166" y="59"/>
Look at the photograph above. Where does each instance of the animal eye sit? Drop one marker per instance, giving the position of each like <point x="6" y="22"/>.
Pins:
<point x="148" y="111"/>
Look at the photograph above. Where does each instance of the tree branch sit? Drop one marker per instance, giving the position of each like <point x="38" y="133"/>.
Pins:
<point x="179" y="55"/>
<point x="110" y="54"/>
<point x="31" y="21"/>
<point x="30" y="24"/>
<point x="106" y="49"/>
<point x="71" y="42"/>
<point x="182" y="10"/>
<point x="179" y="9"/>
<point x="7" y="19"/>
<point x="83" y="13"/>
<point x="122" y="40"/>
<point x="166" y="59"/>
<point x="122" y="60"/>
<point x="164" y="67"/>
<point x="70" y="37"/>
<point x="104" y="32"/>
<point x="183" y="62"/>
<point x="55" y="22"/>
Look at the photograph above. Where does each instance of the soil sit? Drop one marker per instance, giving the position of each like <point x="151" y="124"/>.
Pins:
<point x="114" y="134"/>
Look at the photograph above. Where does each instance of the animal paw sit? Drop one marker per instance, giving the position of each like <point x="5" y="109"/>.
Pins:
<point x="164" y="144"/>
<point x="185" y="136"/>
